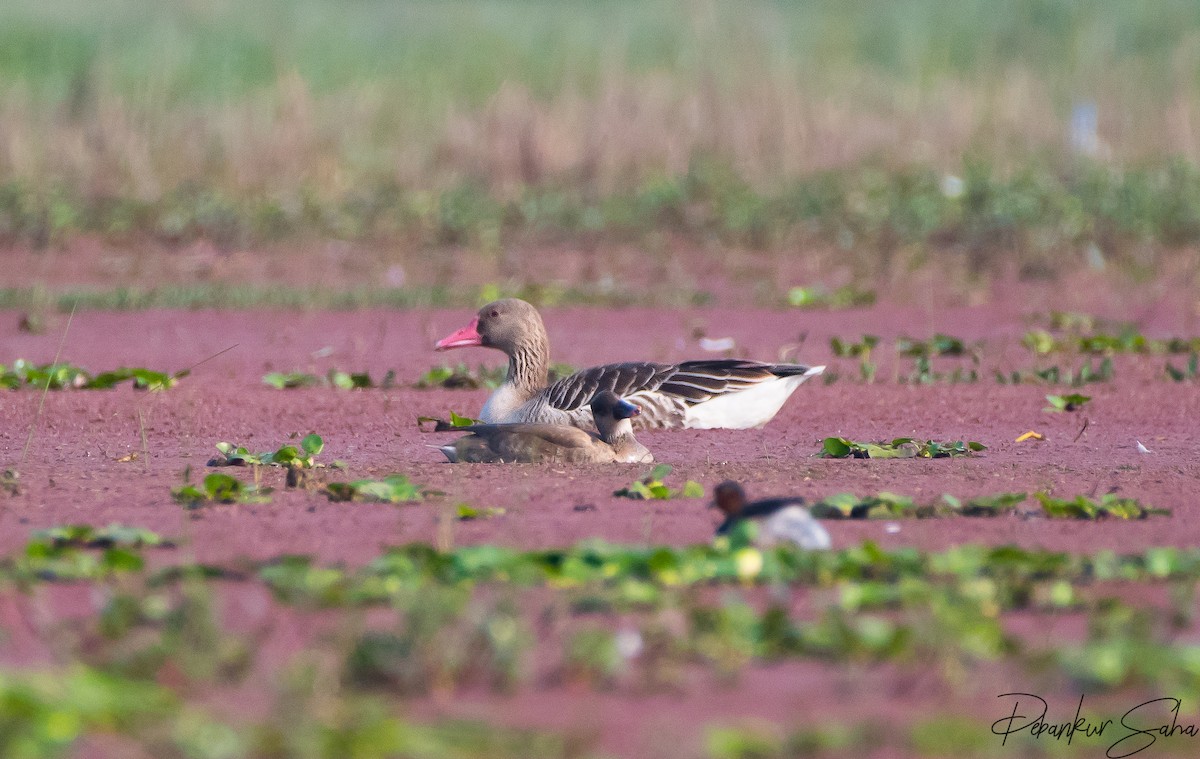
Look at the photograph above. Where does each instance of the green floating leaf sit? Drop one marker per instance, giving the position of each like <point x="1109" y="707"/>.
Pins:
<point x="821" y="297"/>
<point x="285" y="381"/>
<point x="457" y="421"/>
<point x="462" y="421"/>
<point x="1061" y="403"/>
<point x="938" y="345"/>
<point x="692" y="489"/>
<point x="312" y="444"/>
<point x="467" y="512"/>
<point x="836" y="447"/>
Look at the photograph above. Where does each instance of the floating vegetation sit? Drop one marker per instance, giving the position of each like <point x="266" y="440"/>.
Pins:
<point x="334" y="378"/>
<point x="652" y="487"/>
<point x="218" y="487"/>
<point x="899" y="448"/>
<point x="1062" y="403"/>
<point x="23" y="373"/>
<point x="302" y="455"/>
<point x="395" y="488"/>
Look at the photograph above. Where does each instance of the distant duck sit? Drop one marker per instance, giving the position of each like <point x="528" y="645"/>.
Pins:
<point x="707" y="394"/>
<point x="557" y="443"/>
<point x="780" y="520"/>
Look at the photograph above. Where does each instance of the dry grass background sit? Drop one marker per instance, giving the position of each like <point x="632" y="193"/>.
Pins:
<point x="126" y="96"/>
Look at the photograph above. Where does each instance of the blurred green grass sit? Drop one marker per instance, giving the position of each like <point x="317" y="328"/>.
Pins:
<point x="484" y="122"/>
<point x="441" y="51"/>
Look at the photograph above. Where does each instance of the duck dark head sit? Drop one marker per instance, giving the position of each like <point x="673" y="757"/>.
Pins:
<point x="730" y="498"/>
<point x="608" y="405"/>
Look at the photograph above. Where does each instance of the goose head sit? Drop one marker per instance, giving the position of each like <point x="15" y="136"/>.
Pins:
<point x="510" y="325"/>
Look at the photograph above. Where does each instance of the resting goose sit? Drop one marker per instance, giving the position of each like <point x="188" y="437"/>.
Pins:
<point x="780" y="520"/>
<point x="720" y="393"/>
<point x="556" y="443"/>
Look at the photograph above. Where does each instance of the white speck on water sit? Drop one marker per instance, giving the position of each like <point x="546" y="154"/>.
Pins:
<point x="952" y="186"/>
<point x="718" y="344"/>
<point x="891" y="528"/>
<point x="629" y="643"/>
<point x="1141" y="448"/>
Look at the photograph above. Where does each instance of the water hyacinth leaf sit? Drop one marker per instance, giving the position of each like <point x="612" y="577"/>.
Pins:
<point x="372" y="490"/>
<point x="836" y="447"/>
<point x="86" y="536"/>
<point x="312" y="444"/>
<point x="461" y="377"/>
<point x="986" y="506"/>
<point x="395" y="488"/>
<point x="64" y="376"/>
<point x="1109" y="505"/>
<point x="289" y="380"/>
<point x="222" y="487"/>
<point x="1040" y="342"/>
<point x="838" y="506"/>
<point x="881" y="451"/>
<point x="903" y="447"/>
<point x="652" y="487"/>
<point x="692" y="489"/>
<point x="467" y="512"/>
<point x="457" y="420"/>
<point x="287" y="455"/>
<point x="218" y="487"/>
<point x="1062" y="403"/>
<point x="938" y="345"/>
<point x="340" y="380"/>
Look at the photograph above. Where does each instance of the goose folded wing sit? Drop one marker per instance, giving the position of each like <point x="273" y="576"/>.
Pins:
<point x="625" y="379"/>
<point x="691" y="381"/>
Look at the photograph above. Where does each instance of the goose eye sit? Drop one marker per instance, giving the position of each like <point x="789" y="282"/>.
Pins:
<point x="494" y="313"/>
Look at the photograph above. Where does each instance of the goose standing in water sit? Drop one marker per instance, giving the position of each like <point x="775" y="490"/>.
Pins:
<point x="780" y="520"/>
<point x="536" y="443"/>
<point x="708" y="394"/>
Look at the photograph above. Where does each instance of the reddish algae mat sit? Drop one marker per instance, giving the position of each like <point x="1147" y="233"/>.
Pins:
<point x="105" y="456"/>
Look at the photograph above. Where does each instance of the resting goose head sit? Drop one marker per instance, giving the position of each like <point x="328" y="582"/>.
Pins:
<point x="510" y="325"/>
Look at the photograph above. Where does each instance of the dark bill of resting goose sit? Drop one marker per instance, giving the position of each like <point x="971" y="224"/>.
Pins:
<point x="556" y="443"/>
<point x="706" y="394"/>
<point x="779" y="520"/>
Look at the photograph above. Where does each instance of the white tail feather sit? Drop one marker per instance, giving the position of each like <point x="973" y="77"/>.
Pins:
<point x="744" y="409"/>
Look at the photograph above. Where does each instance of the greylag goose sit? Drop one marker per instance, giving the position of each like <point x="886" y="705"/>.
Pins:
<point x="535" y="443"/>
<point x="708" y="394"/>
<point x="780" y="520"/>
